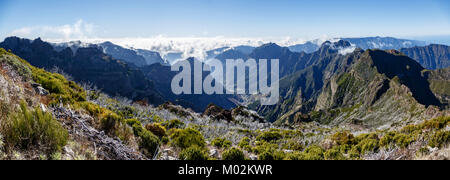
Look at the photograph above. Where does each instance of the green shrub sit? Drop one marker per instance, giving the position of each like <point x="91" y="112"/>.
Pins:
<point x="157" y="129"/>
<point x="233" y="154"/>
<point x="245" y="144"/>
<point x="263" y="146"/>
<point x="193" y="153"/>
<point x="437" y="123"/>
<point x="334" y="154"/>
<point x="344" y="148"/>
<point x="126" y="111"/>
<point x="439" y="139"/>
<point x="403" y="140"/>
<point x="185" y="138"/>
<point x="266" y="156"/>
<point x="269" y="136"/>
<point x="295" y="156"/>
<point x="148" y="141"/>
<point x="132" y="122"/>
<point x="342" y="138"/>
<point x="314" y="152"/>
<point x="355" y="152"/>
<point x="387" y="139"/>
<point x="109" y="122"/>
<point x="165" y="140"/>
<point x="114" y="125"/>
<point x="92" y="109"/>
<point x="221" y="143"/>
<point x="294" y="145"/>
<point x="68" y="92"/>
<point x="271" y="155"/>
<point x="369" y="145"/>
<point x="124" y="132"/>
<point x="35" y="129"/>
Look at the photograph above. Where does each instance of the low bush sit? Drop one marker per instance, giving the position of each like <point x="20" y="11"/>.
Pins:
<point x="295" y="156"/>
<point x="263" y="146"/>
<point x="221" y="143"/>
<point x="269" y="136"/>
<point x="233" y="154"/>
<point x="294" y="145"/>
<point x="157" y="129"/>
<point x="334" y="154"/>
<point x="35" y="129"/>
<point x="313" y="153"/>
<point x="439" y="139"/>
<point x="437" y="123"/>
<point x="271" y="155"/>
<point x="342" y="138"/>
<point x="403" y="140"/>
<point x="387" y="139"/>
<point x="245" y="144"/>
<point x="148" y="141"/>
<point x="369" y="145"/>
<point x="193" y="153"/>
<point x="109" y="122"/>
<point x="185" y="138"/>
<point x="61" y="90"/>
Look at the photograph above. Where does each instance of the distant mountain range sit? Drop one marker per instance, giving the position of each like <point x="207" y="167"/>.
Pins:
<point x="367" y="87"/>
<point x="383" y="43"/>
<point x="138" y="57"/>
<point x="338" y="77"/>
<point x="87" y="65"/>
<point x="115" y="77"/>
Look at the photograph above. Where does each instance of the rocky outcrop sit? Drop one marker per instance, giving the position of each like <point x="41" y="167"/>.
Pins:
<point x="218" y="113"/>
<point x="105" y="147"/>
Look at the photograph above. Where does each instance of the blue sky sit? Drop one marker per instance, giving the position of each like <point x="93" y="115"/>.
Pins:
<point x="228" y="18"/>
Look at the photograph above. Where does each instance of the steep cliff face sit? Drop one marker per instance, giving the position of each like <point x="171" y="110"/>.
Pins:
<point x="430" y="57"/>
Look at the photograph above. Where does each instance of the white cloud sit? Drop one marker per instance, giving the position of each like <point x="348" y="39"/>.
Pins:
<point x="188" y="46"/>
<point x="79" y="30"/>
<point x="347" y="50"/>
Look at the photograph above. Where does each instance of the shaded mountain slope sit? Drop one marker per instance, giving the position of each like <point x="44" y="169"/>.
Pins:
<point x="430" y="57"/>
<point x="162" y="77"/>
